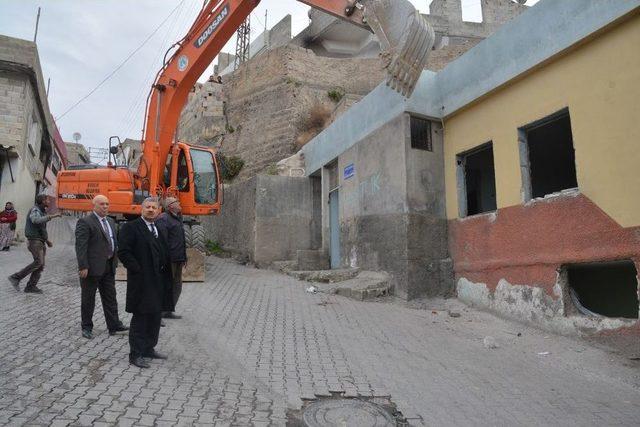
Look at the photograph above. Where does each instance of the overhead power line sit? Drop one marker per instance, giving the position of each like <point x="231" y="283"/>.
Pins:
<point x="111" y="74"/>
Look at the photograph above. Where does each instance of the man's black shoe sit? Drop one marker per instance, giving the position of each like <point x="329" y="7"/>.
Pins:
<point x="87" y="334"/>
<point x="15" y="283"/>
<point x="33" y="290"/>
<point x="170" y="315"/>
<point x="156" y="355"/>
<point x="139" y="362"/>
<point x="120" y="328"/>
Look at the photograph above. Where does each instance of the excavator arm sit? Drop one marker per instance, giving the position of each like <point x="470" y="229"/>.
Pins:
<point x="406" y="39"/>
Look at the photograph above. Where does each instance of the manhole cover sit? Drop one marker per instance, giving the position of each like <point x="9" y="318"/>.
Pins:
<point x="346" y="412"/>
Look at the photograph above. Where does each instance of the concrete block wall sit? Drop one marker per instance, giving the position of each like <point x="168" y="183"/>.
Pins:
<point x="12" y="109"/>
<point x="266" y="218"/>
<point x="20" y="124"/>
<point x="392" y="214"/>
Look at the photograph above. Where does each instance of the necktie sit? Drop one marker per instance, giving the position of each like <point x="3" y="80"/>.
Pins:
<point x="105" y="227"/>
<point x="153" y="230"/>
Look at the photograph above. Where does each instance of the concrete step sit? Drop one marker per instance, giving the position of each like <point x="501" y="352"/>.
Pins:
<point x="312" y="260"/>
<point x="366" y="285"/>
<point x="284" y="266"/>
<point x="325" y="276"/>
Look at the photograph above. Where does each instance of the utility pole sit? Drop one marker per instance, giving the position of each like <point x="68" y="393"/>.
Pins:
<point x="267" y="36"/>
<point x="35" y="36"/>
<point x="243" y="37"/>
<point x="48" y="84"/>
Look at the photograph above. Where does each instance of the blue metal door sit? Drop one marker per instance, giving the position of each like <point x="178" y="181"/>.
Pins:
<point x="334" y="225"/>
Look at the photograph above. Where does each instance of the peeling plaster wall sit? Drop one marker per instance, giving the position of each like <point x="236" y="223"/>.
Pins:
<point x="531" y="304"/>
<point x="508" y="261"/>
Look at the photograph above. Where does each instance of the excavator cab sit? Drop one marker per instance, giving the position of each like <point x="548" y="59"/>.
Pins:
<point x="191" y="175"/>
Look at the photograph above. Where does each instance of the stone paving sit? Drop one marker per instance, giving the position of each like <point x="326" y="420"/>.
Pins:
<point x="253" y="344"/>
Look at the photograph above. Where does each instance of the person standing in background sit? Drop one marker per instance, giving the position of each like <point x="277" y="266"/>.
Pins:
<point x="170" y="224"/>
<point x="8" y="218"/>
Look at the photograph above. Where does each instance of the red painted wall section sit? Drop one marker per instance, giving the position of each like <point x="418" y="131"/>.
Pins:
<point x="526" y="244"/>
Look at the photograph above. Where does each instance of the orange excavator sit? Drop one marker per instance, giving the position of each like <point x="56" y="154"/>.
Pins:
<point x="169" y="167"/>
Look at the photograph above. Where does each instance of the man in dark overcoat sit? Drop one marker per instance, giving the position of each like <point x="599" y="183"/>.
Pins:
<point x="145" y="254"/>
<point x="96" y="248"/>
<point x="170" y="224"/>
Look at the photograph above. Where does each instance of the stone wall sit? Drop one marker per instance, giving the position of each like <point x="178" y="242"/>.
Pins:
<point x="202" y="120"/>
<point x="260" y="110"/>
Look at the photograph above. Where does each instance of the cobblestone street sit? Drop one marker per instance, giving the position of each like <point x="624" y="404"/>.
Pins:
<point x="253" y="344"/>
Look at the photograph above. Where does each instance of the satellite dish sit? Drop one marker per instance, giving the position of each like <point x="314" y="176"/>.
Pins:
<point x="77" y="137"/>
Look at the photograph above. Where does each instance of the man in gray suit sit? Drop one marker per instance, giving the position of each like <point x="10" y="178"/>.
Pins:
<point x="96" y="249"/>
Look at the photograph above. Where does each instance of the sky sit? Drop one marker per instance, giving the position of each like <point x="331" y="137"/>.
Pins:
<point x="81" y="42"/>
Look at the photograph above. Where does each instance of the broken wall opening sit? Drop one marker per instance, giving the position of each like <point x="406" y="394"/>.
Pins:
<point x="547" y="156"/>
<point x="476" y="181"/>
<point x="604" y="288"/>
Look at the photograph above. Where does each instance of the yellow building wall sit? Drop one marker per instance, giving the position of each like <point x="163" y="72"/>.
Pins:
<point x="600" y="84"/>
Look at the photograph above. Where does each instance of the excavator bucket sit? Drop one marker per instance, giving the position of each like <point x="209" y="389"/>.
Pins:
<point x="406" y="40"/>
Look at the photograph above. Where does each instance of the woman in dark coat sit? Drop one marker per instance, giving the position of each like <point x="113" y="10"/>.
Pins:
<point x="144" y="253"/>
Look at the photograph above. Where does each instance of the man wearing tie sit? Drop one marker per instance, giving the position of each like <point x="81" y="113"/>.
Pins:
<point x="96" y="246"/>
<point x="145" y="254"/>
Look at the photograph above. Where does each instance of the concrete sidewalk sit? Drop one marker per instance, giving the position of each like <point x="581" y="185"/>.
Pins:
<point x="253" y="344"/>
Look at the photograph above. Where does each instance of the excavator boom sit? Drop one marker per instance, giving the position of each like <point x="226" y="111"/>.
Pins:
<point x="190" y="173"/>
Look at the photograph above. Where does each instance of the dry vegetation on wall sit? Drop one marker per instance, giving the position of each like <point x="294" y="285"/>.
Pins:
<point x="230" y="167"/>
<point x="312" y="124"/>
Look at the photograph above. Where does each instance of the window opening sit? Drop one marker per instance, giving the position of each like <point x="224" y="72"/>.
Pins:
<point x="167" y="171"/>
<point x="547" y="156"/>
<point x="471" y="10"/>
<point x="606" y="288"/>
<point x="476" y="181"/>
<point x="421" y="134"/>
<point x="183" y="173"/>
<point x="204" y="177"/>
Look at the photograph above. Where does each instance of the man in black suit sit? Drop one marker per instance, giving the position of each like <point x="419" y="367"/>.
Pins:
<point x="145" y="254"/>
<point x="96" y="246"/>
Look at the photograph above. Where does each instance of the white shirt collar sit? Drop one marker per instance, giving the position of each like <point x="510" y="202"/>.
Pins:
<point x="149" y="224"/>
<point x="100" y="218"/>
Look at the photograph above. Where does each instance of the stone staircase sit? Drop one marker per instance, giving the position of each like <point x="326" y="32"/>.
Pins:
<point x="348" y="282"/>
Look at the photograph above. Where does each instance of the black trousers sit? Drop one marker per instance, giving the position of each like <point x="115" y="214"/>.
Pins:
<point x="143" y="333"/>
<point x="106" y="285"/>
<point x="176" y="282"/>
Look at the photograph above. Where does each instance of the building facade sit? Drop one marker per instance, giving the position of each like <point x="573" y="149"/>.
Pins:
<point x="77" y="154"/>
<point x="507" y="178"/>
<point x="26" y="126"/>
<point x="58" y="162"/>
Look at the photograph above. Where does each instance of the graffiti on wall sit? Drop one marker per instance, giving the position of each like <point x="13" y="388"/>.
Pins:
<point x="367" y="188"/>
